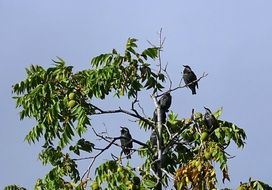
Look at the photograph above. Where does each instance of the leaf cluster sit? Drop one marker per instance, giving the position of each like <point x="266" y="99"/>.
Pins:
<point x="44" y="97"/>
<point x="254" y="185"/>
<point x="123" y="74"/>
<point x="60" y="101"/>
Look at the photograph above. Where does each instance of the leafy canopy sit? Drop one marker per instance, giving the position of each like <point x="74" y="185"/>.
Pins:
<point x="61" y="102"/>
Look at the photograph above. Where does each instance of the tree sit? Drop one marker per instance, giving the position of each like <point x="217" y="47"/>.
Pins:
<point x="61" y="102"/>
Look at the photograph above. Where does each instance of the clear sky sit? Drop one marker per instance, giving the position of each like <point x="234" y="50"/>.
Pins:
<point x="231" y="40"/>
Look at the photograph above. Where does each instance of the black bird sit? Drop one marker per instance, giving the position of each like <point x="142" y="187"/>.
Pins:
<point x="188" y="77"/>
<point x="163" y="116"/>
<point x="165" y="101"/>
<point x="210" y="121"/>
<point x="126" y="141"/>
<point x="153" y="139"/>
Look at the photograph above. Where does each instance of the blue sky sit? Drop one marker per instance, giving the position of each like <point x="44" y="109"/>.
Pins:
<point x="231" y="40"/>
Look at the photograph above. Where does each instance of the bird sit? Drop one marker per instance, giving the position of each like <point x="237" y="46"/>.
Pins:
<point x="126" y="141"/>
<point x="210" y="121"/>
<point x="190" y="78"/>
<point x="165" y="101"/>
<point x="163" y="116"/>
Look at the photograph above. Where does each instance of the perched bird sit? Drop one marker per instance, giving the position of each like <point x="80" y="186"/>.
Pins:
<point x="126" y="141"/>
<point x="188" y="77"/>
<point x="165" y="101"/>
<point x="163" y="116"/>
<point x="153" y="139"/>
<point x="210" y="121"/>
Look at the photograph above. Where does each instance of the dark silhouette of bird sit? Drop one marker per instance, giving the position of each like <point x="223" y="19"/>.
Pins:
<point x="165" y="101"/>
<point x="163" y="116"/>
<point x="153" y="139"/>
<point x="210" y="121"/>
<point x="126" y="141"/>
<point x="189" y="77"/>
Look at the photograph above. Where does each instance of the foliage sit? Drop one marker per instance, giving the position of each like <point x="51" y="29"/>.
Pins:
<point x="14" y="187"/>
<point x="62" y="103"/>
<point x="254" y="185"/>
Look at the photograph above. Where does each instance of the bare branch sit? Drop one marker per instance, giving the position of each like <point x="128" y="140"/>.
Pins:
<point x="114" y="157"/>
<point x="142" y="109"/>
<point x="160" y="49"/>
<point x="105" y="138"/>
<point x="87" y="172"/>
<point x="168" y="131"/>
<point x="183" y="86"/>
<point x="186" y="85"/>
<point x="154" y="174"/>
<point x="168" y="76"/>
<point x="168" y="174"/>
<point x="84" y="158"/>
<point x="195" y="123"/>
<point x="134" y="102"/>
<point x="159" y="139"/>
<point x="120" y="110"/>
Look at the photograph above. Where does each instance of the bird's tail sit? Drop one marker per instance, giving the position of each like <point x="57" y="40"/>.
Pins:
<point x="127" y="152"/>
<point x="193" y="90"/>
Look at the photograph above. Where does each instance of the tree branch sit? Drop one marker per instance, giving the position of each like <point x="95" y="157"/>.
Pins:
<point x="120" y="110"/>
<point x="87" y="172"/>
<point x="186" y="85"/>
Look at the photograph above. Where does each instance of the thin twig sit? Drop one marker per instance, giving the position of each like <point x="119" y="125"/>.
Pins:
<point x="168" y="174"/>
<point x="120" y="110"/>
<point x="84" y="158"/>
<point x="87" y="172"/>
<point x="168" y="76"/>
<point x="186" y="85"/>
<point x="168" y="131"/>
<point x="183" y="86"/>
<point x="142" y="109"/>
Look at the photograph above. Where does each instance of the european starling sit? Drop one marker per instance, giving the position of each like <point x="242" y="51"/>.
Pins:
<point x="210" y="121"/>
<point x="126" y="141"/>
<point x="165" y="101"/>
<point x="163" y="116"/>
<point x="189" y="77"/>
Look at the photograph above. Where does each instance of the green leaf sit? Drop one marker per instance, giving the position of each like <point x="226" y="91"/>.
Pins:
<point x="172" y="118"/>
<point x="131" y="43"/>
<point x="85" y="145"/>
<point x="161" y="77"/>
<point x="14" y="187"/>
<point x="150" y="83"/>
<point x="218" y="113"/>
<point x="149" y="183"/>
<point x="261" y="185"/>
<point x="60" y="62"/>
<point x="114" y="51"/>
<point x="150" y="52"/>
<point x="102" y="59"/>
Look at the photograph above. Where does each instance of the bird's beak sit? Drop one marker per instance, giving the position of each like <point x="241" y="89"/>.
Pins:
<point x="184" y="65"/>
